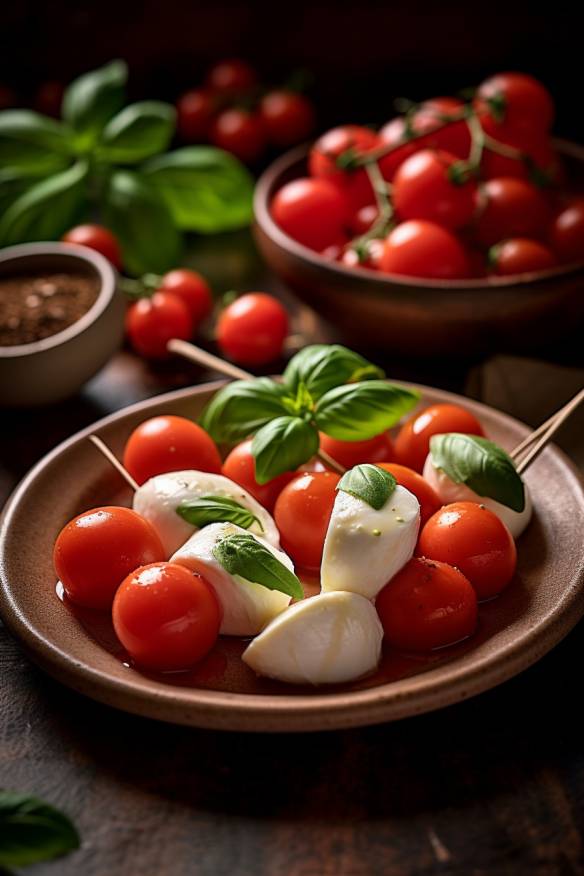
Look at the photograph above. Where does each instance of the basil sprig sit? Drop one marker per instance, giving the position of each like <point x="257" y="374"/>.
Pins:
<point x="107" y="158"/>
<point x="243" y="555"/>
<point x="481" y="465"/>
<point x="32" y="830"/>
<point x="370" y="483"/>
<point x="242" y="407"/>
<point x="216" y="509"/>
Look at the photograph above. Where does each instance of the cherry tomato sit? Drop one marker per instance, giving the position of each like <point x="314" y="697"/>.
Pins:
<point x="231" y="77"/>
<point x="368" y="256"/>
<point x="454" y="137"/>
<point x="334" y="252"/>
<point x="166" y="617"/>
<point x="423" y="189"/>
<point x="99" y="238"/>
<point x="192" y="289"/>
<point x="195" y="110"/>
<point x="567" y="233"/>
<point x="423" y="249"/>
<point x="413" y="440"/>
<point x="350" y="453"/>
<point x="538" y="159"/>
<point x="239" y="466"/>
<point x="415" y="483"/>
<point x="519" y="255"/>
<point x="524" y="104"/>
<point x="363" y="219"/>
<point x="252" y="329"/>
<point x="302" y="513"/>
<point x="152" y="322"/>
<point x="393" y="134"/>
<point x="476" y="541"/>
<point x="427" y="605"/>
<point x="332" y="155"/>
<point x="288" y="117"/>
<point x="169" y="443"/>
<point x="96" y="550"/>
<point x="239" y="132"/>
<point x="510" y="207"/>
<point x="312" y="211"/>
<point x="49" y="98"/>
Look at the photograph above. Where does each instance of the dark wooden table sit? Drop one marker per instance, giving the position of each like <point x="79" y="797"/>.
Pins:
<point x="492" y="786"/>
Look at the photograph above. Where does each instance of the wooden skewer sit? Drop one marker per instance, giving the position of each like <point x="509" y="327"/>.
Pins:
<point x="530" y="448"/>
<point x="104" y="449"/>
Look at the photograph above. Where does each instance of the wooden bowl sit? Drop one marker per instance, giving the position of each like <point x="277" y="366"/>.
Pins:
<point x="540" y="606"/>
<point x="423" y="317"/>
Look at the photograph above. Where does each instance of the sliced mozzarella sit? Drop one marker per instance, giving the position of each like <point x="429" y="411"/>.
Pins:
<point x="364" y="548"/>
<point x="158" y="499"/>
<point x="448" y="491"/>
<point x="328" y="638"/>
<point x="247" y="606"/>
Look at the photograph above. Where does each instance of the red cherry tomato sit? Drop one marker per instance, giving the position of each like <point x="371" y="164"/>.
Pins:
<point x="334" y="252"/>
<point x="312" y="211"/>
<point x="519" y="255"/>
<point x="192" y="289"/>
<point x="424" y="189"/>
<point x="302" y="513"/>
<point x="332" y="155"/>
<point x="231" y="77"/>
<point x="537" y="159"/>
<point x="239" y="132"/>
<point x="431" y="117"/>
<point x="96" y="550"/>
<point x="476" y="541"/>
<point x="239" y="466"/>
<point x="288" y="117"/>
<point x="166" y="617"/>
<point x="510" y="207"/>
<point x="423" y="249"/>
<point x="523" y="103"/>
<point x="195" y="110"/>
<point x="567" y="233"/>
<point x="252" y="329"/>
<point x="368" y="256"/>
<point x="152" y="322"/>
<point x="98" y="238"/>
<point x="363" y="219"/>
<point x="395" y="134"/>
<point x="427" y="605"/>
<point x="413" y="440"/>
<point x="169" y="443"/>
<point x="415" y="483"/>
<point x="350" y="453"/>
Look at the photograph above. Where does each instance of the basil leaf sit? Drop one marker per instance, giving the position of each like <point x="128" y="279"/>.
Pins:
<point x="47" y="209"/>
<point x="483" y="466"/>
<point x="359" y="411"/>
<point x="205" y="189"/>
<point x="216" y="509"/>
<point x="137" y="132"/>
<point x="29" y="141"/>
<point x="242" y="407"/>
<point x="31" y="831"/>
<point x="245" y="556"/>
<point x="92" y="99"/>
<point x="323" y="366"/>
<point x="282" y="445"/>
<point x="15" y="182"/>
<point x="140" y="219"/>
<point x="370" y="483"/>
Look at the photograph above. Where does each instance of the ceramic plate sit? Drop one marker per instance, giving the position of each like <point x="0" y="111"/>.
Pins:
<point x="541" y="605"/>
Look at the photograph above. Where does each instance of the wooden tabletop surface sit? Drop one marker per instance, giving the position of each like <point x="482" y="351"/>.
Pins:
<point x="491" y="786"/>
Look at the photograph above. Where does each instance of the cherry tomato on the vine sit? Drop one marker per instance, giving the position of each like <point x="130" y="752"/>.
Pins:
<point x="312" y="211"/>
<point x="169" y="443"/>
<point x="195" y="110"/>
<point x="363" y="219"/>
<point x="350" y="453"/>
<point x="520" y="255"/>
<point x="419" y="248"/>
<point x="152" y="322"/>
<point x="453" y="137"/>
<point x="413" y="440"/>
<point x="415" y="483"/>
<point x="191" y="288"/>
<point x="510" y="207"/>
<point x="288" y="117"/>
<point x="99" y="238"/>
<point x="368" y="256"/>
<point x="252" y="329"/>
<point x="333" y="156"/>
<point x="395" y="134"/>
<point x="231" y="78"/>
<point x="425" y="187"/>
<point x="239" y="466"/>
<point x="516" y="103"/>
<point x="567" y="233"/>
<point x="240" y="132"/>
<point x="536" y="161"/>
<point x="302" y="514"/>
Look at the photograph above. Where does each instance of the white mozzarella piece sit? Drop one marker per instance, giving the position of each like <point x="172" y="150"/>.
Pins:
<point x="364" y="548"/>
<point x="247" y="607"/>
<point x="158" y="499"/>
<point x="329" y="638"/>
<point x="448" y="491"/>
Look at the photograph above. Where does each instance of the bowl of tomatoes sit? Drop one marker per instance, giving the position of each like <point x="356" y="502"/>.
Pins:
<point x="456" y="228"/>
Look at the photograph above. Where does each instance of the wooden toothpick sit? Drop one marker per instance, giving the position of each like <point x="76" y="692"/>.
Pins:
<point x="104" y="449"/>
<point x="530" y="448"/>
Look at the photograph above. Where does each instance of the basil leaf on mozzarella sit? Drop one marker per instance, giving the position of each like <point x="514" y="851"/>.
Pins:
<point x="370" y="483"/>
<point x="245" y="556"/>
<point x="216" y="509"/>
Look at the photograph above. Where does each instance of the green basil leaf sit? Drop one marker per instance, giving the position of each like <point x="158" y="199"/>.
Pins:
<point x="205" y="189"/>
<point x="92" y="99"/>
<point x="282" y="445"/>
<point x="323" y="366"/>
<point x="216" y="509"/>
<point x="47" y="209"/>
<point x="14" y="182"/>
<point x="245" y="556"/>
<point x="137" y="132"/>
<point x="31" y="831"/>
<point x="140" y="219"/>
<point x="483" y="466"/>
<point x="242" y="407"/>
<point x="31" y="142"/>
<point x="370" y="483"/>
<point x="359" y="411"/>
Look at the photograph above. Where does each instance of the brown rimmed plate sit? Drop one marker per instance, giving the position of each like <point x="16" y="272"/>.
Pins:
<point x="543" y="603"/>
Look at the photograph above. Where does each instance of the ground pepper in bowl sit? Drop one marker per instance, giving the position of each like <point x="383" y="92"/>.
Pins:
<point x="37" y="306"/>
